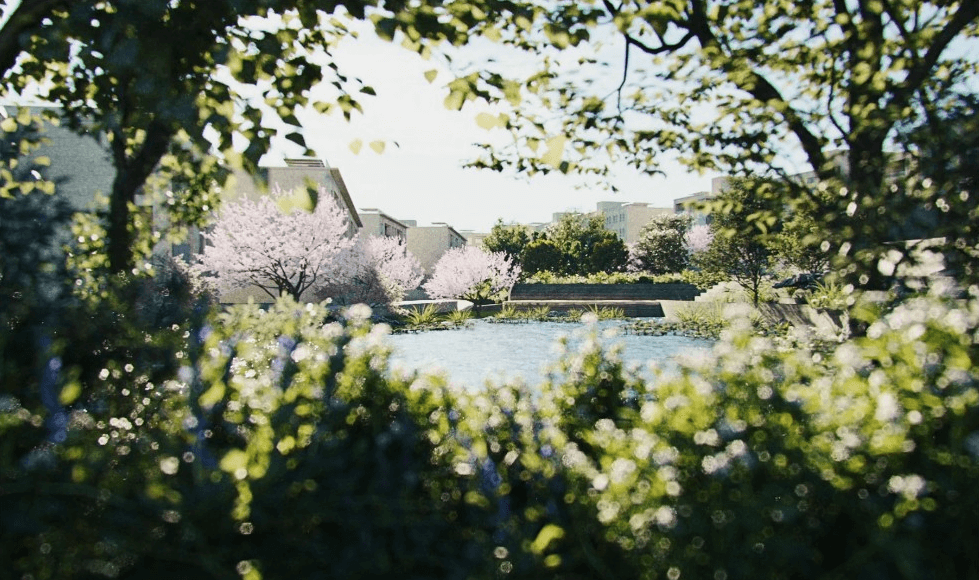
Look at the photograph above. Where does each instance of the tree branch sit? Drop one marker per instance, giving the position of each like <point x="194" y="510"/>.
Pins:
<point x="968" y="13"/>
<point x="27" y="16"/>
<point x="759" y="87"/>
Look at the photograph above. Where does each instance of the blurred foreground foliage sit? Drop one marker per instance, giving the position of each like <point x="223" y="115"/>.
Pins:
<point x="277" y="444"/>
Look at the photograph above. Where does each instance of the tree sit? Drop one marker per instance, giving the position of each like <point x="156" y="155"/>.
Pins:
<point x="510" y="239"/>
<point x="378" y="271"/>
<point x="541" y="255"/>
<point x="803" y="242"/>
<point x="661" y="248"/>
<point x="608" y="255"/>
<point x="278" y="243"/>
<point x="736" y="87"/>
<point x="578" y="235"/>
<point x="697" y="239"/>
<point x="471" y="273"/>
<point x="118" y="75"/>
<point x="739" y="248"/>
<point x="943" y="203"/>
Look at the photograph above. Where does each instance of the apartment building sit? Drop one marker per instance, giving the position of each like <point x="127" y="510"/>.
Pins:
<point x="378" y="223"/>
<point x="627" y="219"/>
<point x="474" y="238"/>
<point x="428" y="243"/>
<point x="687" y="205"/>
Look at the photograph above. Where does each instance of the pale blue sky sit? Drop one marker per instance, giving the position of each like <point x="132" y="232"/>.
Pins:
<point x="423" y="178"/>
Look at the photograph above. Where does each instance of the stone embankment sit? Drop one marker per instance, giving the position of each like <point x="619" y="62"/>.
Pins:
<point x="635" y="300"/>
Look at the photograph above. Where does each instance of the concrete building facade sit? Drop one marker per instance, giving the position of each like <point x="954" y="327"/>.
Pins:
<point x="428" y="243"/>
<point x="378" y="223"/>
<point x="627" y="219"/>
<point x="686" y="205"/>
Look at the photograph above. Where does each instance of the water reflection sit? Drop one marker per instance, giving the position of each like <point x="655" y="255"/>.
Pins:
<point x="507" y="351"/>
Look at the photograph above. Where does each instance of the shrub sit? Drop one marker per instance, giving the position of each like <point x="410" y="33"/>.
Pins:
<point x="282" y="432"/>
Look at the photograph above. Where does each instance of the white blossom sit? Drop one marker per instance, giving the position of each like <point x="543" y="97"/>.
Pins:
<point x="472" y="273"/>
<point x="276" y="245"/>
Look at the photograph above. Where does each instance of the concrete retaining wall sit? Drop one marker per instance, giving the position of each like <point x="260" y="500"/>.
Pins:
<point x="577" y="292"/>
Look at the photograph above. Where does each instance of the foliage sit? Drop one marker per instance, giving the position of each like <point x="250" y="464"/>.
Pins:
<point x="608" y="255"/>
<point x="740" y="247"/>
<point x="697" y="239"/>
<point x="586" y="245"/>
<point x="510" y="239"/>
<point x="268" y="445"/>
<point x="661" y="248"/>
<point x="802" y="243"/>
<point x="942" y="202"/>
<point x="733" y="88"/>
<point x="541" y="255"/>
<point x="278" y="244"/>
<point x="422" y="316"/>
<point x="160" y="105"/>
<point x="473" y="274"/>
<point x="831" y="295"/>
<point x="378" y="271"/>
<point x="459" y="316"/>
<point x="701" y="279"/>
<point x="541" y="313"/>
<point x="221" y="446"/>
<point x="598" y="312"/>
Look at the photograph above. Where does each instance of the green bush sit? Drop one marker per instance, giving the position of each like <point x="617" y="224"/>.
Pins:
<point x="278" y="445"/>
<point x="700" y="279"/>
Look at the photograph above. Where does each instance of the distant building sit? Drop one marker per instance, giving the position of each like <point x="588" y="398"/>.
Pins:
<point x="627" y="219"/>
<point x="297" y="173"/>
<point x="378" y="223"/>
<point x="474" y="238"/>
<point x="687" y="205"/>
<point x="80" y="166"/>
<point x="428" y="243"/>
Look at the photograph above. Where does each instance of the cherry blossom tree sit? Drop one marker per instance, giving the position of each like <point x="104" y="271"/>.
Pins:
<point x="698" y="238"/>
<point x="377" y="270"/>
<point x="472" y="273"/>
<point x="278" y="243"/>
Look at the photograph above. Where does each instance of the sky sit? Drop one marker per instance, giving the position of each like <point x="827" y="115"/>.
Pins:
<point x="423" y="178"/>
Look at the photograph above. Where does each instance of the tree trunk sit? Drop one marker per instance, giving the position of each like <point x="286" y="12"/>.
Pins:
<point x="131" y="175"/>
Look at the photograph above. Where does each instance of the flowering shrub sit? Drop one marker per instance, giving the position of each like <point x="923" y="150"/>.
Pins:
<point x="471" y="273"/>
<point x="377" y="270"/>
<point x="284" y="432"/>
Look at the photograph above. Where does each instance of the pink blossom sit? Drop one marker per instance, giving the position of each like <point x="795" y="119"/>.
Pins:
<point x="276" y="244"/>
<point x="698" y="238"/>
<point x="472" y="273"/>
<point x="377" y="270"/>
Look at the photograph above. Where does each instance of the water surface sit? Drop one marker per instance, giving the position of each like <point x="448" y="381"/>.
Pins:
<point x="499" y="352"/>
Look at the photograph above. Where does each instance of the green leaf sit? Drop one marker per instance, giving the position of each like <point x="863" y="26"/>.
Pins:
<point x="9" y="125"/>
<point x="455" y="100"/>
<point x="69" y="393"/>
<point x="378" y="146"/>
<point x="234" y="460"/>
<point x="487" y="121"/>
<point x="548" y="534"/>
<point x="555" y="151"/>
<point x="356" y="146"/>
<point x="430" y="75"/>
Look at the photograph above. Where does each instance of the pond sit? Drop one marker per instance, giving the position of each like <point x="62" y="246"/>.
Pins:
<point x="485" y="350"/>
